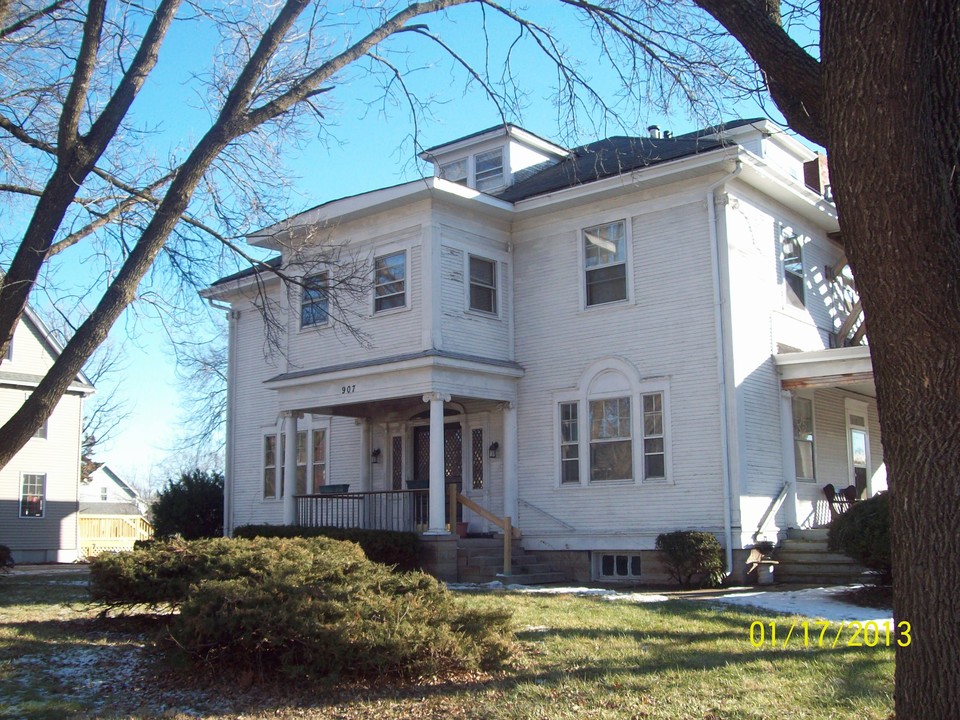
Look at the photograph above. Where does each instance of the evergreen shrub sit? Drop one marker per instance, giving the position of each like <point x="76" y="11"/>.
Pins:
<point x="191" y="506"/>
<point x="302" y="608"/>
<point x="398" y="549"/>
<point x="689" y="554"/>
<point x="863" y="533"/>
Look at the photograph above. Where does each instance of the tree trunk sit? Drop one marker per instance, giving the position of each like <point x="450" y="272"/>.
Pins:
<point x="892" y="93"/>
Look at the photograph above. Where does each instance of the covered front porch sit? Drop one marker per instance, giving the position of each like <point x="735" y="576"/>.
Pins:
<point x="434" y="444"/>
<point x="831" y="439"/>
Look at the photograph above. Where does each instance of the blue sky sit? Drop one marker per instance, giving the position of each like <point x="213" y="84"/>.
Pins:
<point x="368" y="144"/>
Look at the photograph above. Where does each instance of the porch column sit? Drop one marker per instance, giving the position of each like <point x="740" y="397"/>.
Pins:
<point x="511" y="490"/>
<point x="436" y="524"/>
<point x="289" y="467"/>
<point x="789" y="458"/>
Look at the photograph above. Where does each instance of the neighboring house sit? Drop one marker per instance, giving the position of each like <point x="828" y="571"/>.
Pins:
<point x="635" y="336"/>
<point x="39" y="487"/>
<point x="112" y="514"/>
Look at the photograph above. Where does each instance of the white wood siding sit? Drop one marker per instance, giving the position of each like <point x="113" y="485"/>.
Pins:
<point x="667" y="332"/>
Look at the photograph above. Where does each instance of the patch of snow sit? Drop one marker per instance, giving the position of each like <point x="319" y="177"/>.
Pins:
<point x="822" y="602"/>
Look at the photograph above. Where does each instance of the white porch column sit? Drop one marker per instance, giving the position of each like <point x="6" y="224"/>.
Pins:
<point x="364" y="455"/>
<point x="289" y="467"/>
<point x="511" y="490"/>
<point x="436" y="524"/>
<point x="789" y="458"/>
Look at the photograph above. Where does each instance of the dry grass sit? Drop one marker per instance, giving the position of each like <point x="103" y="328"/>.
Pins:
<point x="580" y="658"/>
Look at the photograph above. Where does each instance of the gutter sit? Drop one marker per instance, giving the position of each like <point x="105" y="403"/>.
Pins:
<point x="718" y="301"/>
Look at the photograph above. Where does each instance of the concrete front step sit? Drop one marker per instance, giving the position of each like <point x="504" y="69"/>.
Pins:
<point x="480" y="560"/>
<point x="805" y="558"/>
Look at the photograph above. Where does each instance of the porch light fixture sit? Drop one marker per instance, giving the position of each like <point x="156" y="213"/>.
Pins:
<point x="494" y="450"/>
<point x="375" y="456"/>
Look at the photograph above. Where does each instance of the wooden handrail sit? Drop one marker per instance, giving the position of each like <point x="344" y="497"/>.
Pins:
<point x="486" y="514"/>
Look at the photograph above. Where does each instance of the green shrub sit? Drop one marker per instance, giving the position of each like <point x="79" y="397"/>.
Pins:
<point x="302" y="608"/>
<point x="6" y="559"/>
<point x="191" y="506"/>
<point x="863" y="533"/>
<point x="688" y="553"/>
<point x="398" y="549"/>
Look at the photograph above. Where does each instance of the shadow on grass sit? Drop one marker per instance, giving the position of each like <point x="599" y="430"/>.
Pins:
<point x="705" y="645"/>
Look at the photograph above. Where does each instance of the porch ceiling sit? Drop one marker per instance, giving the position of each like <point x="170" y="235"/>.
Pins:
<point x="850" y="368"/>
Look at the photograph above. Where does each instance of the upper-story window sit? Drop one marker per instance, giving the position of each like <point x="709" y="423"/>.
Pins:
<point x="315" y="301"/>
<point x="488" y="169"/>
<point x="605" y="263"/>
<point x="389" y="281"/>
<point x="9" y="355"/>
<point x="483" y="285"/>
<point x="455" y="171"/>
<point x="793" y="270"/>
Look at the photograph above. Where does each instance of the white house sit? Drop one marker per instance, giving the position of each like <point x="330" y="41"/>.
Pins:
<point x="39" y="487"/>
<point x="602" y="343"/>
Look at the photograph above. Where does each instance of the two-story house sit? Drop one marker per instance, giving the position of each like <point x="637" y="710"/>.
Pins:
<point x="39" y="487"/>
<point x="602" y="343"/>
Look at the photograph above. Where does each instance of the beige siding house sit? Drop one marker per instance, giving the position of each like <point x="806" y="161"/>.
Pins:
<point x="39" y="487"/>
<point x="601" y="343"/>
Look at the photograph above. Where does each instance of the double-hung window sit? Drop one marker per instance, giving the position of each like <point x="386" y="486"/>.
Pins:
<point x="315" y="301"/>
<point x="455" y="171"/>
<point x="488" y="169"/>
<point x="803" y="438"/>
<point x="793" y="270"/>
<point x="605" y="263"/>
<point x="483" y="285"/>
<point x="319" y="459"/>
<point x="389" y="281"/>
<point x="611" y="442"/>
<point x="654" y="452"/>
<point x="569" y="443"/>
<point x="32" y="493"/>
<point x="270" y="466"/>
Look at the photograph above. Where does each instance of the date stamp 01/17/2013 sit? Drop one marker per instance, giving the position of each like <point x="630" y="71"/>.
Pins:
<point x="826" y="634"/>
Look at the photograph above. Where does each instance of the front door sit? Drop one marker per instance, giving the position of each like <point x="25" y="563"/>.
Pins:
<point x="452" y="457"/>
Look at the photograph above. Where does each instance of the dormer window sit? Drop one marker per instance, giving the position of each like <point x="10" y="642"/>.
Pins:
<point x="455" y="172"/>
<point x="488" y="169"/>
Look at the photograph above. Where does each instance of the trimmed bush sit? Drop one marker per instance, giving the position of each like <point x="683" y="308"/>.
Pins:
<point x="689" y="554"/>
<point x="191" y="506"/>
<point x="302" y="608"/>
<point x="398" y="549"/>
<point x="863" y="533"/>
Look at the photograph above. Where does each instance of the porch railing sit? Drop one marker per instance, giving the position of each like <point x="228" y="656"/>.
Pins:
<point x="402" y="510"/>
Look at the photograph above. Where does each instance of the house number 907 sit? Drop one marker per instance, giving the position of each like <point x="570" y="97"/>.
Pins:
<point x="347" y="389"/>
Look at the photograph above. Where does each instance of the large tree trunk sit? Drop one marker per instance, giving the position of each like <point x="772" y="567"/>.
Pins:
<point x="892" y="104"/>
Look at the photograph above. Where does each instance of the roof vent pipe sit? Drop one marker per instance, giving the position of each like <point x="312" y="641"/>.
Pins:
<point x="667" y="134"/>
<point x="654" y="131"/>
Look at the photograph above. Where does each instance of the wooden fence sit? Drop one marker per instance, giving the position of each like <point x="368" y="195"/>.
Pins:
<point x="111" y="533"/>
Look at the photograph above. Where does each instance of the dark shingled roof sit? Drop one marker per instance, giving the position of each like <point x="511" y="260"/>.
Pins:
<point x="606" y="158"/>
<point x="249" y="272"/>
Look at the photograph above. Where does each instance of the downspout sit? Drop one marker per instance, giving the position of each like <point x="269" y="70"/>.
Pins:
<point x="228" y="477"/>
<point x="713" y="224"/>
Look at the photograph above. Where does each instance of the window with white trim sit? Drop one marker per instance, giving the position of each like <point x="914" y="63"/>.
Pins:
<point x="319" y="458"/>
<point x="803" y="448"/>
<point x="103" y="494"/>
<point x="33" y="487"/>
<point x="569" y="443"/>
<point x="617" y="566"/>
<point x="654" y="451"/>
<point x="483" y="285"/>
<point x="315" y="301"/>
<point x="793" y="276"/>
<point x="455" y="171"/>
<point x="605" y="263"/>
<point x="41" y="432"/>
<point x="611" y="444"/>
<point x="488" y="169"/>
<point x="389" y="281"/>
<point x="300" y="488"/>
<point x="269" y="466"/>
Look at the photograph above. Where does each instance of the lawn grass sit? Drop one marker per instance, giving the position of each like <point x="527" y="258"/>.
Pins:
<point x="578" y="657"/>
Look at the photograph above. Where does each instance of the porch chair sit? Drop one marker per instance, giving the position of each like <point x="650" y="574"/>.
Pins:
<point x="840" y="501"/>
